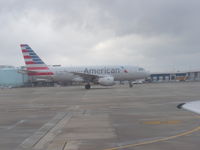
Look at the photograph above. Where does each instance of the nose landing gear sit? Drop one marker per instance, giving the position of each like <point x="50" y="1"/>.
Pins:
<point x="87" y="86"/>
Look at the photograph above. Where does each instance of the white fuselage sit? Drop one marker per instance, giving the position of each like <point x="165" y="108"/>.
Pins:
<point x="120" y="73"/>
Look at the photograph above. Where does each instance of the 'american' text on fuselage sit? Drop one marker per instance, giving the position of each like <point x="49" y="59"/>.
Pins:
<point x="102" y="71"/>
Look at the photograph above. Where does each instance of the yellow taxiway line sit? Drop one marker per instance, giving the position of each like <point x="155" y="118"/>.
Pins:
<point x="172" y="122"/>
<point x="157" y="140"/>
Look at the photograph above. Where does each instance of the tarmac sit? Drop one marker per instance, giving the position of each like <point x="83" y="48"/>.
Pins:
<point x="144" y="117"/>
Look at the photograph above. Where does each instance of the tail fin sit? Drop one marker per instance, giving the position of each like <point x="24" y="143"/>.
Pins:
<point x="34" y="65"/>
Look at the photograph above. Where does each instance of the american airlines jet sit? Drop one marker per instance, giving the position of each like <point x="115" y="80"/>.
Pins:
<point x="103" y="75"/>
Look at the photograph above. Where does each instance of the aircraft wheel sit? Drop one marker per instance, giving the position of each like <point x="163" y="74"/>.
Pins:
<point x="130" y="84"/>
<point x="87" y="86"/>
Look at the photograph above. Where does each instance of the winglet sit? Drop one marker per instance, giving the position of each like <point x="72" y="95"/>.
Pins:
<point x="193" y="106"/>
<point x="180" y="106"/>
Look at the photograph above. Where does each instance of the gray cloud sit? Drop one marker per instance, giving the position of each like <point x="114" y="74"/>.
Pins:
<point x="156" y="34"/>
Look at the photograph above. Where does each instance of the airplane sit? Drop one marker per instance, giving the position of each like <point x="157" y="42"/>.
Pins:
<point x="193" y="106"/>
<point x="102" y="75"/>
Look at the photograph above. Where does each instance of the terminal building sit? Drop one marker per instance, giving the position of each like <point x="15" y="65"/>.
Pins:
<point x="175" y="76"/>
<point x="11" y="77"/>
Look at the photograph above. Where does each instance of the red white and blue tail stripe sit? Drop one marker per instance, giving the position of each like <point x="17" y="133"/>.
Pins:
<point x="34" y="64"/>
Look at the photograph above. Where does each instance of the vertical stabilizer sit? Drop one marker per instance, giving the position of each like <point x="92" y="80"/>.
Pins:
<point x="34" y="64"/>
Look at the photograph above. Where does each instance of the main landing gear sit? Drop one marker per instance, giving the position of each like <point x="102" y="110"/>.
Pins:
<point x="130" y="84"/>
<point x="87" y="86"/>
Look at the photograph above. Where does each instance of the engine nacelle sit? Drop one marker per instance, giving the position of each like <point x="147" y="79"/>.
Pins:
<point x="106" y="81"/>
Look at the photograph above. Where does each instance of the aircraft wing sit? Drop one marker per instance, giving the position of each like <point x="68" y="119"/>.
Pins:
<point x="88" y="76"/>
<point x="193" y="106"/>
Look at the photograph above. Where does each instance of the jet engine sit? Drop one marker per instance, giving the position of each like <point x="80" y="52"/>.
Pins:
<point x="106" y="81"/>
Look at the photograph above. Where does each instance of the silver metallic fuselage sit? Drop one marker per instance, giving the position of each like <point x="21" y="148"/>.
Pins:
<point x="120" y="73"/>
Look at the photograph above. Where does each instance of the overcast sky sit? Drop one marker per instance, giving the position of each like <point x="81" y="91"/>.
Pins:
<point x="159" y="35"/>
